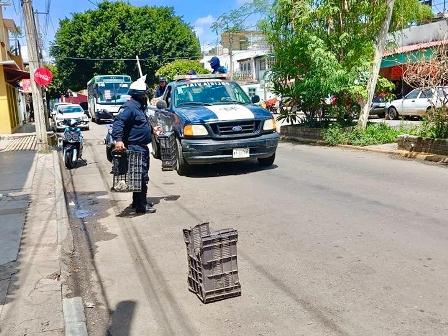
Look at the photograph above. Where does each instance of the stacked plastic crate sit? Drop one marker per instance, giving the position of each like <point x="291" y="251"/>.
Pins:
<point x="127" y="169"/>
<point x="212" y="263"/>
<point x="167" y="142"/>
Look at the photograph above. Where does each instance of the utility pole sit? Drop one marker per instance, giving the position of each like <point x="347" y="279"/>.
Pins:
<point x="379" y="52"/>
<point x="33" y="55"/>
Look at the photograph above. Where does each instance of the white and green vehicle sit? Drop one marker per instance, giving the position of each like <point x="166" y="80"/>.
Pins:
<point x="106" y="94"/>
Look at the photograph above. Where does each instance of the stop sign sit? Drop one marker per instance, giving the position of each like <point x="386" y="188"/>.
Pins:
<point x="43" y="76"/>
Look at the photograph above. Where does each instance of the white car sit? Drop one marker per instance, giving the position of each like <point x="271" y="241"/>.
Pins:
<point x="69" y="111"/>
<point x="55" y="107"/>
<point x="417" y="102"/>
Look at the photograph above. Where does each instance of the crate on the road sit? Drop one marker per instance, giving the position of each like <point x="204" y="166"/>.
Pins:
<point x="212" y="263"/>
<point x="167" y="141"/>
<point x="127" y="170"/>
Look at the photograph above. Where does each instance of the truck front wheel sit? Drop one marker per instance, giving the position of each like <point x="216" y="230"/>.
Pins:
<point x="267" y="162"/>
<point x="182" y="166"/>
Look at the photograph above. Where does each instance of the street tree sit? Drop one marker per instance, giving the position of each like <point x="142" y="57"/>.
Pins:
<point x="326" y="47"/>
<point x="56" y="88"/>
<point x="180" y="67"/>
<point x="106" y="40"/>
<point x="430" y="72"/>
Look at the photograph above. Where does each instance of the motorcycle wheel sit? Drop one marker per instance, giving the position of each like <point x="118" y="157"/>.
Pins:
<point x="68" y="159"/>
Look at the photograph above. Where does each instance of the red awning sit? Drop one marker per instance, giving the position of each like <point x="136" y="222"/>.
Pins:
<point x="13" y="75"/>
<point x="414" y="47"/>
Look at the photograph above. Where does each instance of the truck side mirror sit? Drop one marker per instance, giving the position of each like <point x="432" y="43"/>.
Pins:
<point x="161" y="104"/>
<point x="255" y="99"/>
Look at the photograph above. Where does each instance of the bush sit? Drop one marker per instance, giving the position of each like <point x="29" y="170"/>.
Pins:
<point x="180" y="67"/>
<point x="374" y="134"/>
<point x="435" y="124"/>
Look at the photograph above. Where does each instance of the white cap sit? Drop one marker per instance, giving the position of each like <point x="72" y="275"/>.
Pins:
<point x="139" y="84"/>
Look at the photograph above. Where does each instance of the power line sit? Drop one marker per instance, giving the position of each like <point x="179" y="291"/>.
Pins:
<point x="128" y="59"/>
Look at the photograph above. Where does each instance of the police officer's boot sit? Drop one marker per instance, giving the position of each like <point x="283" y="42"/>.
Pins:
<point x="142" y="205"/>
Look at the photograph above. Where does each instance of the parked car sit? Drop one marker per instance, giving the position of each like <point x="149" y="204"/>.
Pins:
<point x="378" y="106"/>
<point x="214" y="120"/>
<point x="55" y="107"/>
<point x="417" y="102"/>
<point x="69" y="111"/>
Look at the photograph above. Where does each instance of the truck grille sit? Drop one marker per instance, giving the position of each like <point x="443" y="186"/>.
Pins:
<point x="236" y="128"/>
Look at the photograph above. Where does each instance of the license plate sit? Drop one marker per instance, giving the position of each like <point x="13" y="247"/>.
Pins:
<point x="240" y="153"/>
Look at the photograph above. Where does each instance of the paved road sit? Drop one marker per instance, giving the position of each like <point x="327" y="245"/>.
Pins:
<point x="331" y="242"/>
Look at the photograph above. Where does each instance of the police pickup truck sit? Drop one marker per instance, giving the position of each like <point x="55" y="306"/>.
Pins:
<point x="214" y="121"/>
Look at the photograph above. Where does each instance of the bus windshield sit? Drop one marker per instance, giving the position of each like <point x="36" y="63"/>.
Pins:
<point x="111" y="93"/>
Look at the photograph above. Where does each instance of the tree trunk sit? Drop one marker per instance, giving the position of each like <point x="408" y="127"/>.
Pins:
<point x="379" y="51"/>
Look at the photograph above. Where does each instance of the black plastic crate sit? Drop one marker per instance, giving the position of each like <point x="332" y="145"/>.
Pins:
<point x="129" y="177"/>
<point x="212" y="263"/>
<point x="167" y="141"/>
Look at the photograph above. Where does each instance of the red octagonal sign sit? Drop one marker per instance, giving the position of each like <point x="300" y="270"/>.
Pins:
<point x="43" y="76"/>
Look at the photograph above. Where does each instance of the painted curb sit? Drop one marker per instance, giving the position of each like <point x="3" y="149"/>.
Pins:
<point x="74" y="318"/>
<point x="74" y="321"/>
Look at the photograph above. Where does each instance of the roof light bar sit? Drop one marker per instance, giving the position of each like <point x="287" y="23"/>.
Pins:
<point x="207" y="76"/>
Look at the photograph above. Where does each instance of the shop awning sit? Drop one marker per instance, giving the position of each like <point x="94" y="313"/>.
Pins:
<point x="13" y="73"/>
<point x="409" y="54"/>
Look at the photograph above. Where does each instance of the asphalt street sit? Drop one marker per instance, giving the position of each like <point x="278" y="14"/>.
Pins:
<point x="331" y="242"/>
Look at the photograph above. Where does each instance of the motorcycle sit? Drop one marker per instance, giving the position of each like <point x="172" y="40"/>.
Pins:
<point x="72" y="142"/>
<point x="109" y="142"/>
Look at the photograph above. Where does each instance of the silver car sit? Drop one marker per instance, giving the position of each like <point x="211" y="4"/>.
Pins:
<point x="417" y="102"/>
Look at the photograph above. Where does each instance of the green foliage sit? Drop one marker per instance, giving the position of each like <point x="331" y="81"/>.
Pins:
<point x="118" y="30"/>
<point x="374" y="134"/>
<point x="326" y="47"/>
<point x="56" y="88"/>
<point x="180" y="67"/>
<point x="385" y="87"/>
<point x="435" y="124"/>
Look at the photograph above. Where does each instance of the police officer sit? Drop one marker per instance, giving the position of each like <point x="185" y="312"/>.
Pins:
<point x="161" y="88"/>
<point x="132" y="130"/>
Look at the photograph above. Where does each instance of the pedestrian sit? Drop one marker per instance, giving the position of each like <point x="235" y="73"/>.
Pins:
<point x="161" y="88"/>
<point x="131" y="130"/>
<point x="31" y="112"/>
<point x="215" y="64"/>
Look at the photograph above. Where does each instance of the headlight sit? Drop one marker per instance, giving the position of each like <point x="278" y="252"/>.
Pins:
<point x="195" y="130"/>
<point x="84" y="117"/>
<point x="269" y="125"/>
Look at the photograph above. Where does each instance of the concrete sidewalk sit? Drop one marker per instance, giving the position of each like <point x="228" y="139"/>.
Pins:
<point x="31" y="234"/>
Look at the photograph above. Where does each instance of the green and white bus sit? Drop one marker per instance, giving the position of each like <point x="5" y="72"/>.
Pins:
<point x="106" y="94"/>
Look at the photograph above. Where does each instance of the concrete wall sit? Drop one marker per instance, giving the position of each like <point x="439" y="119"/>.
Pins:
<point x="423" y="145"/>
<point x="435" y="31"/>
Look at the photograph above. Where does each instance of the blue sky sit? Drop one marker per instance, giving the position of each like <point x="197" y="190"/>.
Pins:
<point x="200" y="14"/>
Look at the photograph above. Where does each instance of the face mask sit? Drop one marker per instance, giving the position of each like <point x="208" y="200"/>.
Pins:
<point x="142" y="100"/>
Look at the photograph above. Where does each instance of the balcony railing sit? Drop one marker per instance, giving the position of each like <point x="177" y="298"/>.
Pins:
<point x="243" y="76"/>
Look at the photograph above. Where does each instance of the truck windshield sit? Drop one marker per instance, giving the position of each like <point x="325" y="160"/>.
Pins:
<point x="209" y="92"/>
<point x="111" y="93"/>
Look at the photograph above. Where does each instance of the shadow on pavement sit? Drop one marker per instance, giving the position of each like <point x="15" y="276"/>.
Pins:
<point x="227" y="169"/>
<point x="128" y="212"/>
<point x="121" y="319"/>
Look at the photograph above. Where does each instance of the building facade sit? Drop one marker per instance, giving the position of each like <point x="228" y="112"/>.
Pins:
<point x="11" y="73"/>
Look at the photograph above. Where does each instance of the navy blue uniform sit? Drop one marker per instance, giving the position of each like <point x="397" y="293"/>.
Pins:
<point x="133" y="128"/>
<point x="160" y="91"/>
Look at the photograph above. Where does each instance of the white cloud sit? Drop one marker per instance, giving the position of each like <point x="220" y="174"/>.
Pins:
<point x="202" y="28"/>
<point x="204" y="21"/>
